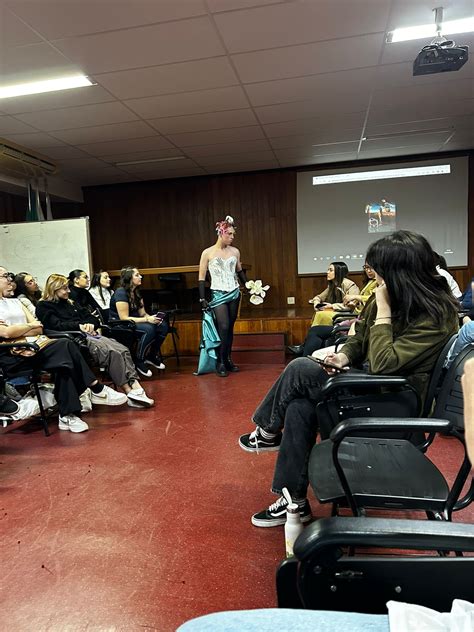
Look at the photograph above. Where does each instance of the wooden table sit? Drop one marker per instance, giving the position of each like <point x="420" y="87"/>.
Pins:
<point x="171" y="270"/>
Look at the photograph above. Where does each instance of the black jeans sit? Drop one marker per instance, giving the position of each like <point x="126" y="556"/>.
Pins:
<point x="71" y="373"/>
<point x="290" y="404"/>
<point x="317" y="338"/>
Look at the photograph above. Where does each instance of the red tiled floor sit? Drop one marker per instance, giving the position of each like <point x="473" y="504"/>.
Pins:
<point x="144" y="521"/>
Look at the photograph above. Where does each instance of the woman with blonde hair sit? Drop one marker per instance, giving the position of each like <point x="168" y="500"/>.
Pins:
<point x="57" y="312"/>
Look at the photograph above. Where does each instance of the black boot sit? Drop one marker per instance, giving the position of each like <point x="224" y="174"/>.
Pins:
<point x="296" y="349"/>
<point x="221" y="370"/>
<point x="230" y="366"/>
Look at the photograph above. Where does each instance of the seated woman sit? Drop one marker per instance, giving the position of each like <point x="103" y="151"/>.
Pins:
<point x="127" y="304"/>
<point x="442" y="269"/>
<point x="57" y="312"/>
<point x="78" y="281"/>
<point x="331" y="299"/>
<point x="72" y="376"/>
<point x="101" y="292"/>
<point x="319" y="335"/>
<point x="27" y="291"/>
<point x="401" y="333"/>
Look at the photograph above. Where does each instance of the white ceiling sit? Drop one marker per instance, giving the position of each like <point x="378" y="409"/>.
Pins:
<point x="230" y="85"/>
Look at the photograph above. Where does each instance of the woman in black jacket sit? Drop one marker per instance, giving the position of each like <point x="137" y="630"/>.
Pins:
<point x="57" y="312"/>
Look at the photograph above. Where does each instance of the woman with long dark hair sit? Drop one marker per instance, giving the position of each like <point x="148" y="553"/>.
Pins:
<point x="101" y="292"/>
<point x="331" y="300"/>
<point x="127" y="304"/>
<point x="401" y="333"/>
<point x="319" y="336"/>
<point x="27" y="291"/>
<point x="78" y="281"/>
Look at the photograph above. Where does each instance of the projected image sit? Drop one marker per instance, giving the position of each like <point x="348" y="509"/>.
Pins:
<point x="381" y="216"/>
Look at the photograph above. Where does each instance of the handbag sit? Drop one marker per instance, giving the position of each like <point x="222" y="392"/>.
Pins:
<point x="41" y="341"/>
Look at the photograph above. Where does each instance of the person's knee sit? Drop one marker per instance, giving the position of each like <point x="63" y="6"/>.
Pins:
<point x="466" y="333"/>
<point x="299" y="366"/>
<point x="300" y="414"/>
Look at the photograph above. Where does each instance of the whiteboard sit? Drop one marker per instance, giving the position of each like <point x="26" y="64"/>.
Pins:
<point x="44" y="248"/>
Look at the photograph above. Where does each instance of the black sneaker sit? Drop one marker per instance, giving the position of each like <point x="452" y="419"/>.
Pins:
<point x="156" y="363"/>
<point x="275" y="515"/>
<point x="143" y="369"/>
<point x="254" y="442"/>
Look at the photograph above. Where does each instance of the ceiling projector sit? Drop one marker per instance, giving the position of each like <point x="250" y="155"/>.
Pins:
<point x="442" y="56"/>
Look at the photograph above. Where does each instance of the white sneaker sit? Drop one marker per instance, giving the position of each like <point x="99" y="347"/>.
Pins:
<point x="133" y="404"/>
<point x="139" y="396"/>
<point x="108" y="397"/>
<point x="72" y="423"/>
<point x="85" y="398"/>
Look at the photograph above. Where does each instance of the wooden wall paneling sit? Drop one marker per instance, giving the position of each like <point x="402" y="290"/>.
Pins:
<point x="169" y="222"/>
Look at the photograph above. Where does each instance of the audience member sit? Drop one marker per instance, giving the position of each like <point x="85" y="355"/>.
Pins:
<point x="71" y="374"/>
<point x="402" y="333"/>
<point x="320" y="336"/>
<point x="466" y="301"/>
<point x="78" y="281"/>
<point x="442" y="269"/>
<point x="27" y="291"/>
<point x="331" y="300"/>
<point x="57" y="312"/>
<point x="127" y="304"/>
<point x="101" y="292"/>
<point x="465" y="337"/>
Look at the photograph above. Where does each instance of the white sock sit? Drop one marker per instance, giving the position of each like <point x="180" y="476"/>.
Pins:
<point x="267" y="435"/>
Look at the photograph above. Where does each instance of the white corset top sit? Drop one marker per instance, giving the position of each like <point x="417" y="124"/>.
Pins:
<point x="222" y="273"/>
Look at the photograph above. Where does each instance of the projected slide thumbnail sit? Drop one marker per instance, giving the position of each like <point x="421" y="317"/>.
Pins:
<point x="381" y="216"/>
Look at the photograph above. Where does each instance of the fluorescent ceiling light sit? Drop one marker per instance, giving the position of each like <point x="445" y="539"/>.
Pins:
<point x="452" y="27"/>
<point x="384" y="174"/>
<point x="144" y="162"/>
<point x="50" y="85"/>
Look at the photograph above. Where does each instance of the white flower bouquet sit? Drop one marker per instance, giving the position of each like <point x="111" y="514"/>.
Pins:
<point x="257" y="291"/>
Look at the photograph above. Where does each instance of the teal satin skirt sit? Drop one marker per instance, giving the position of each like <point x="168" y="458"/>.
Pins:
<point x="210" y="340"/>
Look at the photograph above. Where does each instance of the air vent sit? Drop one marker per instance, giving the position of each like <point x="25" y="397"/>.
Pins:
<point x="23" y="161"/>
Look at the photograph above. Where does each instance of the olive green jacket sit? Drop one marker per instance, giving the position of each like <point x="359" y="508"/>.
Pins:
<point x="411" y="352"/>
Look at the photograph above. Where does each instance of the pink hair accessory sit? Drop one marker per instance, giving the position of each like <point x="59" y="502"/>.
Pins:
<point x="224" y="225"/>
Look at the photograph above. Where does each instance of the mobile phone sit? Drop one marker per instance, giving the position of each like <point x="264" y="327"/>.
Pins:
<point x="328" y="365"/>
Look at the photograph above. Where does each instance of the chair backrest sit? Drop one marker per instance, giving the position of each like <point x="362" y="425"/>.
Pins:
<point x="449" y="400"/>
<point x="437" y="376"/>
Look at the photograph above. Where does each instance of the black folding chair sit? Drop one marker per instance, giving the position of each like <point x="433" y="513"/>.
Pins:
<point x="366" y="463"/>
<point x="323" y="576"/>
